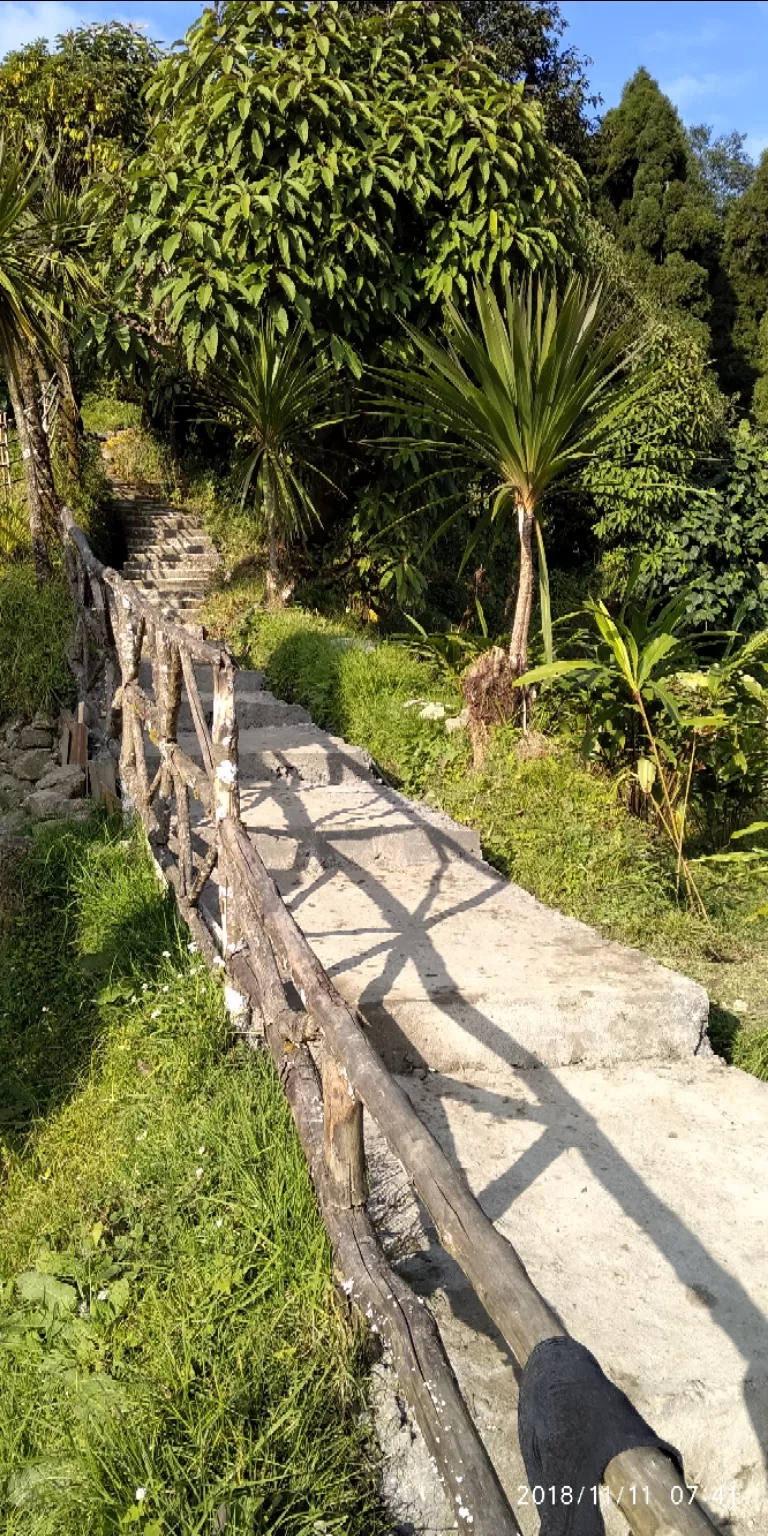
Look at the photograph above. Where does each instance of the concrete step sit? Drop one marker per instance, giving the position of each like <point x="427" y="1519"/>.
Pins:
<point x="450" y="963"/>
<point x="295" y="752"/>
<point x="249" y="685"/>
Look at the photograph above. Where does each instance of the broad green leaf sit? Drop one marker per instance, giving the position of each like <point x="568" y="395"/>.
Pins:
<point x="55" y="1295"/>
<point x="551" y="671"/>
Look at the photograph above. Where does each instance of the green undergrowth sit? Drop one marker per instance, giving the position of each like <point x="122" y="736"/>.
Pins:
<point x="545" y="820"/>
<point x="174" y="1356"/>
<point x="35" y="630"/>
<point x="107" y="413"/>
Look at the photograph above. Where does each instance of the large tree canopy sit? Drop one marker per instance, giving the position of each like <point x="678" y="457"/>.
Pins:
<point x="83" y="101"/>
<point x="349" y="166"/>
<point x="524" y="37"/>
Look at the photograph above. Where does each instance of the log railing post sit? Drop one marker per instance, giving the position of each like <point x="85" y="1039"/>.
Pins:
<point x="226" y="787"/>
<point x="343" y="1142"/>
<point x="129" y="636"/>
<point x="166" y="677"/>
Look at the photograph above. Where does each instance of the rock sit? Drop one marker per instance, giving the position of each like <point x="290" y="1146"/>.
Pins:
<point x="432" y="712"/>
<point x="32" y="736"/>
<point x="457" y="722"/>
<point x="12" y="825"/>
<point x="11" y="791"/>
<point x="43" y="721"/>
<point x="33" y="764"/>
<point x="69" y="781"/>
<point x="50" y="804"/>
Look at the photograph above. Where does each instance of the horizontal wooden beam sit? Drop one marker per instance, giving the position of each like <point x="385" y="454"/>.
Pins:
<point x="489" y="1261"/>
<point x="380" y="1295"/>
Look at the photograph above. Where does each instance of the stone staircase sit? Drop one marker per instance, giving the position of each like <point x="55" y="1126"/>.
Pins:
<point x="572" y="1081"/>
<point x="570" y="1078"/>
<point x="169" y="556"/>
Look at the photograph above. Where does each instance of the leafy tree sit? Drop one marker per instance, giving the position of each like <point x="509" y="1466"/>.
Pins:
<point x="650" y="195"/>
<point x="725" y="166"/>
<point x="640" y="478"/>
<point x="351" y="167"/>
<point x="278" y="399"/>
<point x="525" y="401"/>
<point x="746" y="262"/>
<point x="717" y="546"/>
<point x="82" y="102"/>
<point x="760" y="397"/>
<point x="524" y="36"/>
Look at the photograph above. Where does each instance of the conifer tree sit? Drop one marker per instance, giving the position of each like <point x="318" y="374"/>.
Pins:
<point x="746" y="264"/>
<point x="650" y="193"/>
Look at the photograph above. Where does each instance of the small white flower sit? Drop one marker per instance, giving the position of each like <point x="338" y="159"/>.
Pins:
<point x="198" y="1173"/>
<point x="45" y="1010"/>
<point x="155" y="1014"/>
<point x="141" y="1494"/>
<point x="192" y="948"/>
<point x="134" y="999"/>
<point x="165" y="989"/>
<point x="201" y="1150"/>
<point x="142" y="1136"/>
<point x="166" y="954"/>
<point x="219" y="1221"/>
<point x="144" y="987"/>
<point x="103" y="1294"/>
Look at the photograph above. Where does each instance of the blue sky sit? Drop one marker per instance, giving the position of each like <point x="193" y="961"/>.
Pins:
<point x="708" y="55"/>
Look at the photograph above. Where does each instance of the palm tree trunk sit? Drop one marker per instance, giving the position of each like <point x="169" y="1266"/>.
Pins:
<point x="273" y="593"/>
<point x="40" y="553"/>
<point x="518" y="645"/>
<point x="70" y="410"/>
<point x="37" y="442"/>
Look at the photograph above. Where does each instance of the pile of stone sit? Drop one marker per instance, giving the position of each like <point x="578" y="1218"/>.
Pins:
<point x="33" y="783"/>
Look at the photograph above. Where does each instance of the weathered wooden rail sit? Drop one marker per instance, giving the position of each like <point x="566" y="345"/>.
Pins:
<point x="326" y="1064"/>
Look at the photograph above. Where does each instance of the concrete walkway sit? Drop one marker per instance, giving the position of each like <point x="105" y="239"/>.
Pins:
<point x="571" y="1079"/>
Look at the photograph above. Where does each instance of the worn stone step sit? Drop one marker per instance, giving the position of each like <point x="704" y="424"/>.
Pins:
<point x="294" y="752"/>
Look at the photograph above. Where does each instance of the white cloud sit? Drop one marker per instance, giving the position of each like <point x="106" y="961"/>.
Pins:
<point x="24" y="21"/>
<point x="21" y="24"/>
<point x="755" y="143"/>
<point x="711" y="85"/>
<point x="663" y="41"/>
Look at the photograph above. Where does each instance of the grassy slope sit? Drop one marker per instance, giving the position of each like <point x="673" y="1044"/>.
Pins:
<point x="177" y="1332"/>
<point x="547" y="822"/>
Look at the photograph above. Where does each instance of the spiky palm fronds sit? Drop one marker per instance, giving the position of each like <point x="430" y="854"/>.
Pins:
<point x="278" y="397"/>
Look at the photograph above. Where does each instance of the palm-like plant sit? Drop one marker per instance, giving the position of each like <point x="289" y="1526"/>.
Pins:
<point x="278" y="399"/>
<point x="24" y="310"/>
<point x="66" y="228"/>
<point x="527" y="400"/>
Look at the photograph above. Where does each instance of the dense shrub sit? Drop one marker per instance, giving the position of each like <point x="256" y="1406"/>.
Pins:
<point x="35" y="629"/>
<point x="717" y="546"/>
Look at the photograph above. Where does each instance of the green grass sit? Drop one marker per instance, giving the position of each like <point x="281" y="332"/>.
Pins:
<point x="174" y="1356"/>
<point x="35" y="629"/>
<point x="105" y="413"/>
<point x="547" y="822"/>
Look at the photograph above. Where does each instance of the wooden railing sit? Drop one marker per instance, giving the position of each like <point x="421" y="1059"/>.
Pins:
<point x="327" y="1066"/>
